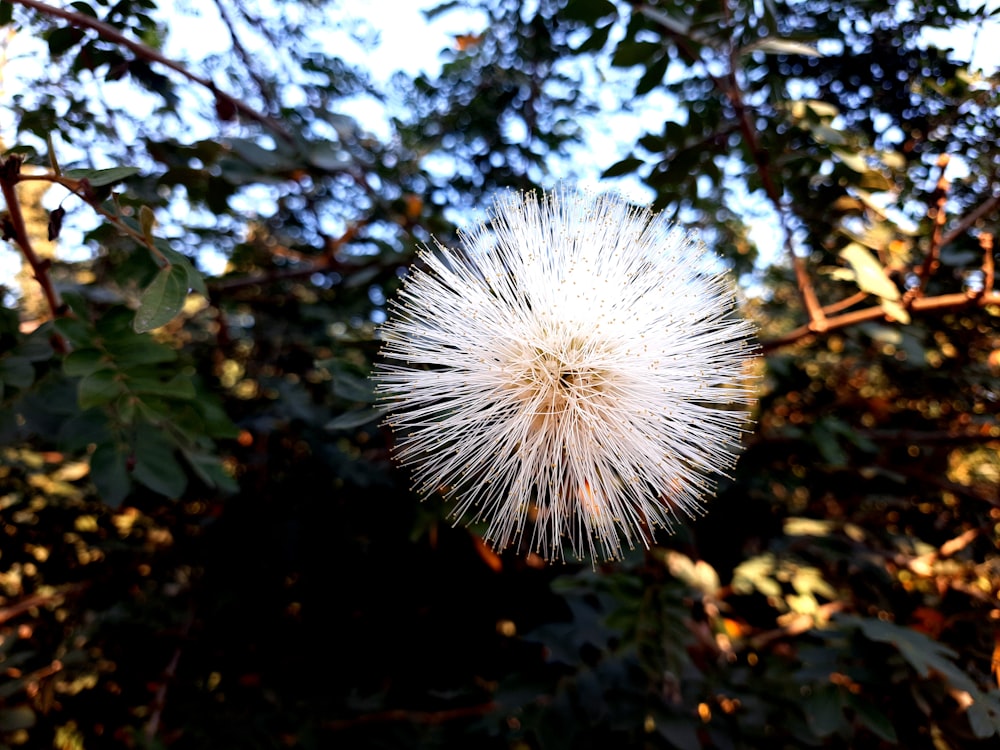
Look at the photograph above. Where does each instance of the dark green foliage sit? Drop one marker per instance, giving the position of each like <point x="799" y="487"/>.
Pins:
<point x="203" y="540"/>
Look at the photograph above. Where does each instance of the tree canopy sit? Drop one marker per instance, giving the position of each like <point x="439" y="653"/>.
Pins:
<point x="204" y="540"/>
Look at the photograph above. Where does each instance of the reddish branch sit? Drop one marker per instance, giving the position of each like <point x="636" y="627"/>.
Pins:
<point x="984" y="209"/>
<point x="83" y="189"/>
<point x="844" y="304"/>
<point x="817" y="319"/>
<point x="939" y="216"/>
<point x="956" y="301"/>
<point x="31" y="602"/>
<point x="111" y="34"/>
<point x="15" y="229"/>
<point x="413" y="717"/>
<point x="989" y="273"/>
<point x="730" y="88"/>
<point x="324" y="263"/>
<point x="241" y="51"/>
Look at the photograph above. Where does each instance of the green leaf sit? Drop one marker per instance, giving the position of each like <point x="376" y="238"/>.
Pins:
<point x="6" y="13"/>
<point x="75" y="330"/>
<point x="109" y="473"/>
<point x="102" y="177"/>
<point x="354" y="418"/>
<point x="628" y="54"/>
<point x="984" y="714"/>
<point x="63" y="39"/>
<point x="353" y="388"/>
<point x="825" y="433"/>
<point x="876" y="721"/>
<point x="99" y="388"/>
<point x="194" y="278"/>
<point x="596" y="41"/>
<point x="83" y="8"/>
<point x="625" y="166"/>
<point x="17" y="371"/>
<point x="162" y="300"/>
<point x="824" y="710"/>
<point x="922" y="653"/>
<point x="147" y="220"/>
<point x="156" y="466"/>
<point x="215" y="422"/>
<point x="179" y="387"/>
<point x="83" y="362"/>
<point x="83" y="429"/>
<point x="654" y="74"/>
<point x="139" y="350"/>
<point x="209" y="470"/>
<point x="37" y="346"/>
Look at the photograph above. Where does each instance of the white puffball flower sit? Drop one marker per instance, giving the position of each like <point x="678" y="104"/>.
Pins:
<point x="577" y="372"/>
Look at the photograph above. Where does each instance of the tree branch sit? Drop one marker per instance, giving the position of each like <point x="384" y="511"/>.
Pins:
<point x="111" y="34"/>
<point x="938" y="216"/>
<point x="989" y="272"/>
<point x="985" y="208"/>
<point x="15" y="229"/>
<point x="957" y="301"/>
<point x="729" y="87"/>
<point x="412" y="717"/>
<point x="244" y="56"/>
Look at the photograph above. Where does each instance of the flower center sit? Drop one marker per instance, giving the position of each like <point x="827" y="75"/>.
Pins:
<point x="552" y="383"/>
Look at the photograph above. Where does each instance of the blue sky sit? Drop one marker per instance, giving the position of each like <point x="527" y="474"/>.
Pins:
<point x="398" y="37"/>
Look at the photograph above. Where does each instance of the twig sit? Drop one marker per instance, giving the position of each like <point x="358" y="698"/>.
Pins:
<point x="14" y="228"/>
<point x="796" y="625"/>
<point x="845" y="303"/>
<point x="320" y="265"/>
<point x="413" y="717"/>
<point x="35" y="600"/>
<point x="160" y="696"/>
<point x="989" y="273"/>
<point x="923" y="565"/>
<point x="729" y="86"/>
<point x="112" y="34"/>
<point x="984" y="209"/>
<point x="244" y="56"/>
<point x="920" y="304"/>
<point x="939" y="215"/>
<point x="325" y="262"/>
<point x="817" y="318"/>
<point x="82" y="189"/>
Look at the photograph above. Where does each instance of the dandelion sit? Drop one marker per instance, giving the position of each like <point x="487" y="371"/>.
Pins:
<point x="576" y="372"/>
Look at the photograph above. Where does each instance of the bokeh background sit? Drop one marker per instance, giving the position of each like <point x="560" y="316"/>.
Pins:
<point x="203" y="541"/>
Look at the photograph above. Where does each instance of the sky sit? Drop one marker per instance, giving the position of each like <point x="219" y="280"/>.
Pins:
<point x="399" y="38"/>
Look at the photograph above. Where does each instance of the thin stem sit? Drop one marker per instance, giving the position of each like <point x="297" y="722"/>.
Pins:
<point x="984" y="209"/>
<point x="844" y="304"/>
<point x="79" y="188"/>
<point x="112" y="34"/>
<point x="241" y="51"/>
<point x="10" y="169"/>
<point x="939" y="216"/>
<point x="989" y="272"/>
<point x="921" y="304"/>
<point x="729" y="86"/>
